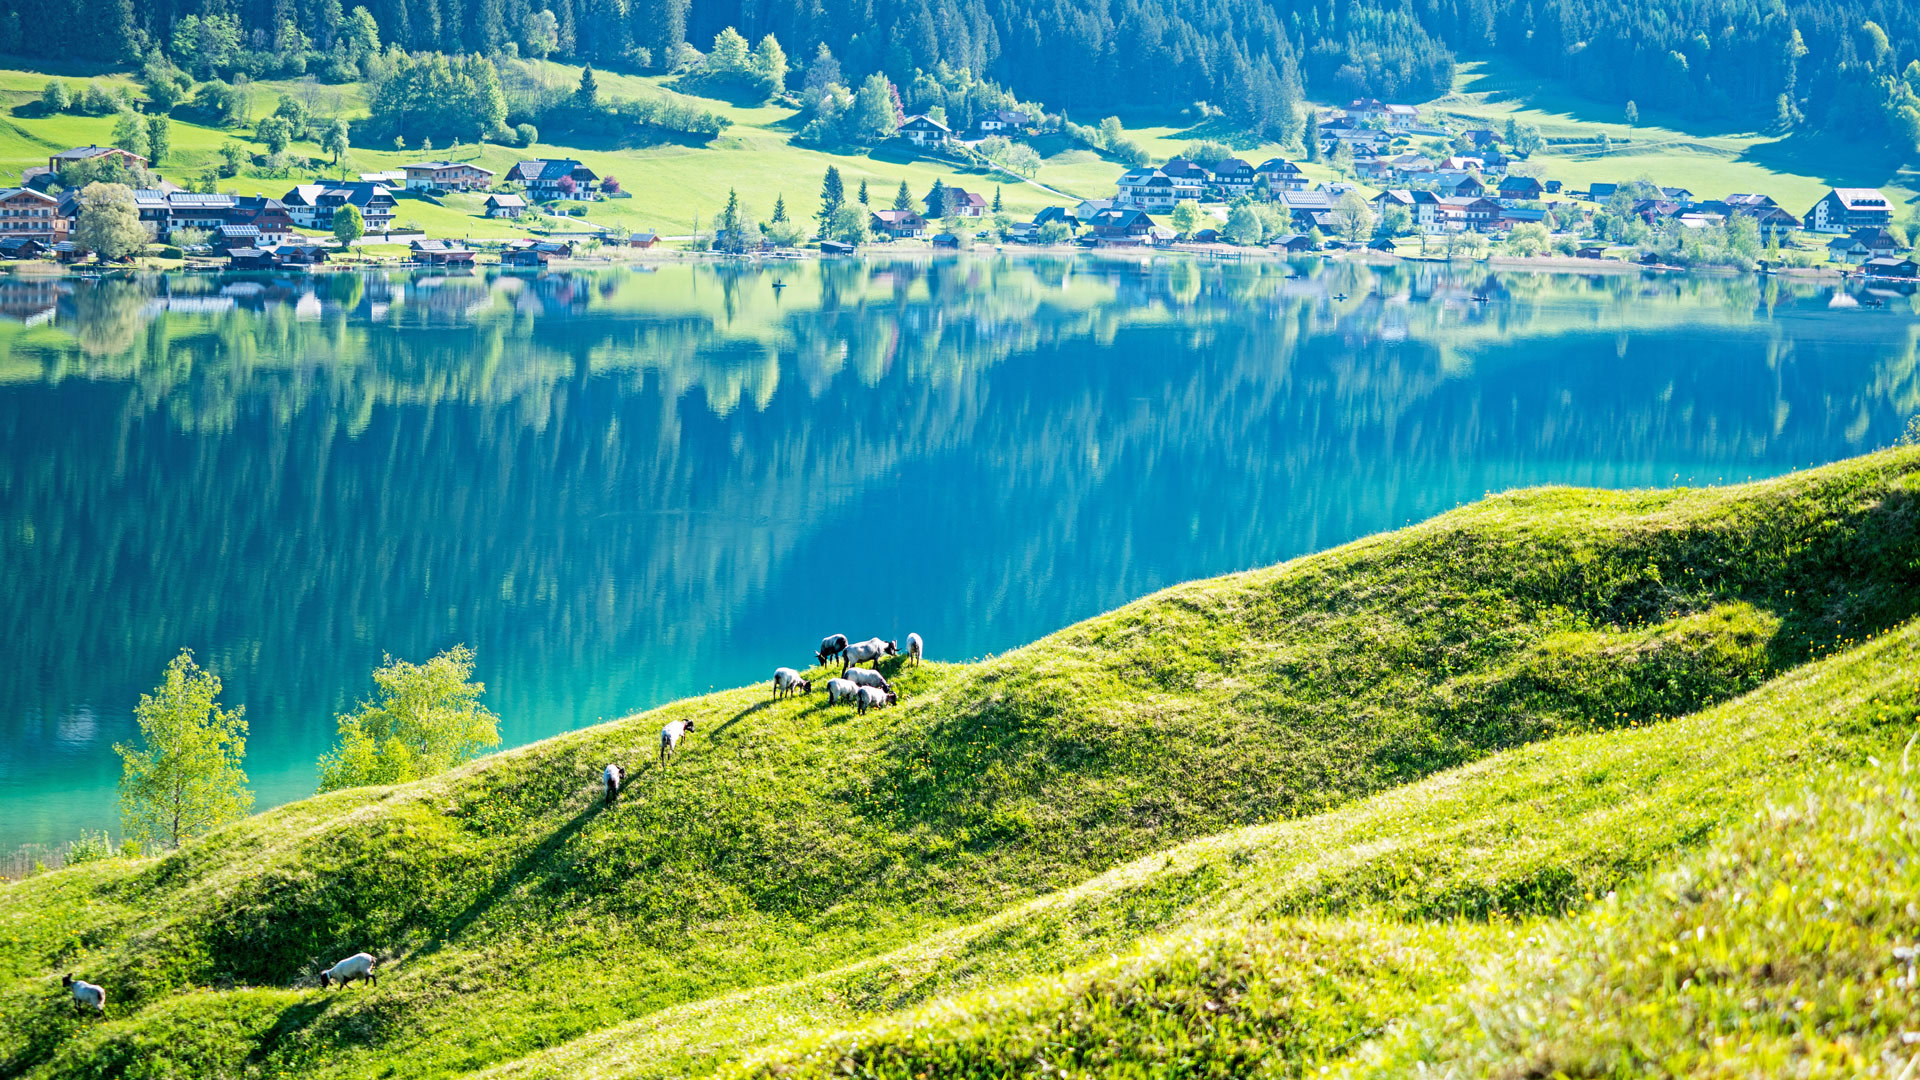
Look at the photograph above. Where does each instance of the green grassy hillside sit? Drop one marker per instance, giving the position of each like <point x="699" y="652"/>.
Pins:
<point x="1218" y="780"/>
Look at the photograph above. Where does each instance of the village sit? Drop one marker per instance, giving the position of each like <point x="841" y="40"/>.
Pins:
<point x="1405" y="186"/>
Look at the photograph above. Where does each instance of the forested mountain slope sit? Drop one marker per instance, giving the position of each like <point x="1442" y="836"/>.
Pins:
<point x="767" y="883"/>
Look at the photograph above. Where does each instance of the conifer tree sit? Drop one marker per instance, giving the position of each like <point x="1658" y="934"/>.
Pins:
<point x="937" y="200"/>
<point x="588" y="95"/>
<point x="833" y="195"/>
<point x="903" y="199"/>
<point x="863" y="192"/>
<point x="779" y="209"/>
<point x="996" y="198"/>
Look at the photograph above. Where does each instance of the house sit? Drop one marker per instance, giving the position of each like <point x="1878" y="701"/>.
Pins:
<point x="555" y="178"/>
<point x="151" y="205"/>
<point x="230" y="237"/>
<point x="1233" y="176"/>
<point x="1054" y="213"/>
<point x="312" y="206"/>
<point x="925" y="131"/>
<point x="897" y="224"/>
<point x="1384" y="243"/>
<point x="446" y="176"/>
<point x="196" y="210"/>
<point x="946" y="240"/>
<point x="642" y="238"/>
<point x="441" y="253"/>
<point x="1205" y="236"/>
<point x="1189" y="180"/>
<point x="1509" y="216"/>
<point x="299" y="254"/>
<point x="524" y="257"/>
<point x="1842" y="210"/>
<point x="1553" y="187"/>
<point x="1479" y="137"/>
<point x="1282" y="175"/>
<point x="1775" y="223"/>
<point x="1392" y="197"/>
<point x="1462" y="163"/>
<point x="965" y="204"/>
<point x="387" y="178"/>
<point x="67" y="252"/>
<point x="268" y="217"/>
<point x="1304" y="207"/>
<point x="1678" y="195"/>
<point x="503" y="205"/>
<point x="1458" y="213"/>
<point x="92" y="153"/>
<point x="1084" y="213"/>
<point x="1863" y="245"/>
<point x="22" y="247"/>
<point x="1462" y="185"/>
<point x="251" y="258"/>
<point x="1023" y="232"/>
<point x="1519" y="189"/>
<point x="835" y="247"/>
<point x="1591" y="251"/>
<point x="1599" y="192"/>
<point x="1891" y="266"/>
<point x="27" y="213"/>
<point x="1003" y="121"/>
<point x="1370" y="110"/>
<point x="1145" y="189"/>
<point x="1294" y="244"/>
<point x="1121" y="225"/>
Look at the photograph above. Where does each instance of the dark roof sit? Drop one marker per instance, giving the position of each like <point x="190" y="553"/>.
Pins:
<point x="547" y="170"/>
<point x="1121" y="218"/>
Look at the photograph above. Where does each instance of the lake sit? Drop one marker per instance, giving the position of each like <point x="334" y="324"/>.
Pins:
<point x="630" y="484"/>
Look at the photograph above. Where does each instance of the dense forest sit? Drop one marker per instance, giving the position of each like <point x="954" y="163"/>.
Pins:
<point x="1845" y="65"/>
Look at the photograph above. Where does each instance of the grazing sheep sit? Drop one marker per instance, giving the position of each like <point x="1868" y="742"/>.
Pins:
<point x="357" y="966"/>
<point x="866" y="652"/>
<point x="85" y="993"/>
<point x="914" y="648"/>
<point x="839" y="690"/>
<point x="787" y="682"/>
<point x="830" y="646"/>
<point x="615" y="776"/>
<point x="868" y="677"/>
<point x="872" y="697"/>
<point x="670" y="737"/>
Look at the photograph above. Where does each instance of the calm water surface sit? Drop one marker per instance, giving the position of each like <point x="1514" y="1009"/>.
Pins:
<point x="621" y="487"/>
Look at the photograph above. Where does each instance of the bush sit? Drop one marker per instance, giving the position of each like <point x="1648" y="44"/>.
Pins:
<point x="90" y="847"/>
<point x="525" y="135"/>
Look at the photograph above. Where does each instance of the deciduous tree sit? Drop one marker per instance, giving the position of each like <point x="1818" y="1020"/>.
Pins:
<point x="427" y="719"/>
<point x="184" y="779"/>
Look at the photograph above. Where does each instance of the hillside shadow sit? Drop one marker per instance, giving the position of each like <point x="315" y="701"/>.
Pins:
<point x="736" y="94"/>
<point x="293" y="1019"/>
<point x="523" y="868"/>
<point x="739" y="716"/>
<point x="1829" y="159"/>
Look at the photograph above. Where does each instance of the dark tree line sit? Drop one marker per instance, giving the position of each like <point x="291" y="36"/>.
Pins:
<point x="1837" y="64"/>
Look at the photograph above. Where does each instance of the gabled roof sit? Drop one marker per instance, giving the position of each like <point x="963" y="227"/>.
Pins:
<point x="1114" y="217"/>
<point x="899" y="217"/>
<point x="1232" y="166"/>
<point x="503" y="199"/>
<point x="1278" y="167"/>
<point x="435" y="166"/>
<point x="84" y="153"/>
<point x="1861" y="198"/>
<point x="547" y="170"/>
<point x="1307" y="200"/>
<point x="924" y="121"/>
<point x="198" y="200"/>
<point x="1181" y="168"/>
<point x="8" y="193"/>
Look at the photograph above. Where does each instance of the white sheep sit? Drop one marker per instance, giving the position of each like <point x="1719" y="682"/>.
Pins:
<point x="614" y="777"/>
<point x="866" y="652"/>
<point x="839" y="690"/>
<point x="914" y="648"/>
<point x="787" y="682"/>
<point x="872" y="697"/>
<point x="85" y="993"/>
<point x="357" y="966"/>
<point x="670" y="737"/>
<point x="867" y="677"/>
<point x="830" y="646"/>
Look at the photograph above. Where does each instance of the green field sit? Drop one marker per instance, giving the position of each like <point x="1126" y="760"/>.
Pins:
<point x="1566" y="782"/>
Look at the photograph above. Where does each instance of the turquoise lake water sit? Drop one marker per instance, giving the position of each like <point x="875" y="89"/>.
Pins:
<point x="622" y="486"/>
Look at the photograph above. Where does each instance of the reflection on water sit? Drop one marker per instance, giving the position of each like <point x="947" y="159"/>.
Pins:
<point x="622" y="486"/>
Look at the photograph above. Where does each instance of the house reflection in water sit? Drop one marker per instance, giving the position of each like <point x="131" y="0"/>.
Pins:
<point x="29" y="300"/>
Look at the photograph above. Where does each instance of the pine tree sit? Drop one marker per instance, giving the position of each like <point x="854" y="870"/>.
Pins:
<point x="780" y="209"/>
<point x="1312" y="135"/>
<point x="833" y="195"/>
<point x="588" y="95"/>
<point x="863" y="192"/>
<point x="996" y="198"/>
<point x="903" y="199"/>
<point x="937" y="200"/>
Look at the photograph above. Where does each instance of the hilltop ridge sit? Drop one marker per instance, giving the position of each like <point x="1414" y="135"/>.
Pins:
<point x="803" y="870"/>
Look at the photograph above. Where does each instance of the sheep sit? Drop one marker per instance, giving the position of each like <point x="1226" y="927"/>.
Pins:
<point x="85" y="993"/>
<point x="866" y="652"/>
<point x="872" y="697"/>
<point x="787" y="682"/>
<point x="670" y="737"/>
<point x="839" y="690"/>
<point x="357" y="966"/>
<point x="830" y="646"/>
<point x="615" y="776"/>
<point x="868" y="677"/>
<point x="914" y="648"/>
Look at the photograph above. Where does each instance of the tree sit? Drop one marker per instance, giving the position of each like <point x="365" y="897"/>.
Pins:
<point x="525" y="134"/>
<point x="130" y="132"/>
<point x="780" y="204"/>
<point x="110" y="222"/>
<point x="1606" y="145"/>
<point x="1529" y="239"/>
<point x="427" y="720"/>
<point x="1055" y="232"/>
<point x="730" y="54"/>
<point x="275" y="132"/>
<point x="734" y="228"/>
<point x="873" y="115"/>
<point x="848" y="225"/>
<point x="1311" y="135"/>
<point x="55" y="97"/>
<point x="336" y="141"/>
<point x="1395" y="220"/>
<point x="863" y="192"/>
<point x="1244" y="225"/>
<point x="1186" y="217"/>
<point x="159" y="138"/>
<point x="1355" y="215"/>
<point x="167" y="86"/>
<point x="833" y="195"/>
<point x="996" y="199"/>
<point x="185" y="779"/>
<point x="1633" y="113"/>
<point x="903" y="199"/>
<point x="539" y="34"/>
<point x="348" y="225"/>
<point x="822" y="73"/>
<point x="232" y="157"/>
<point x="770" y="66"/>
<point x="587" y="94"/>
<point x="936" y="200"/>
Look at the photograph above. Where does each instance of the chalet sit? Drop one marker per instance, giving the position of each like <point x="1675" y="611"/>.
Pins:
<point x="1743" y="201"/>
<point x="196" y="210"/>
<point x="300" y="254"/>
<point x="1296" y="244"/>
<point x="1462" y="163"/>
<point x="1392" y="197"/>
<point x="1553" y="187"/>
<point x="1479" y="137"/>
<point x="1863" y="245"/>
<point x="925" y="131"/>
<point x="441" y="253"/>
<point x="1591" y="251"/>
<point x="1189" y="180"/>
<point x="501" y="205"/>
<point x="1233" y="176"/>
<point x="1519" y="189"/>
<point x="555" y="178"/>
<point x="1678" y="195"/>
<point x="1305" y="207"/>
<point x="312" y="206"/>
<point x="68" y="252"/>
<point x="1145" y="189"/>
<point x="25" y="212"/>
<point x="1374" y="169"/>
<point x="1461" y="213"/>
<point x="1600" y="192"/>
<point x="1023" y="232"/>
<point x="251" y="258"/>
<point x="1001" y="121"/>
<point x="1775" y="223"/>
<point x="946" y="240"/>
<point x="897" y="224"/>
<point x="1370" y="110"/>
<point x="230" y="237"/>
<point x="525" y="257"/>
<point x="1084" y="213"/>
<point x="446" y="176"/>
<point x="22" y="247"/>
<point x="268" y="216"/>
<point x="1206" y="236"/>
<point x="962" y="203"/>
<point x="1891" y="266"/>
<point x="151" y="205"/>
<point x="1652" y="210"/>
<point x="1121" y="225"/>
<point x="642" y="238"/>
<point x="94" y="153"/>
<point x="1460" y="185"/>
<point x="1282" y="175"/>
<point x="1842" y="210"/>
<point x="1054" y="213"/>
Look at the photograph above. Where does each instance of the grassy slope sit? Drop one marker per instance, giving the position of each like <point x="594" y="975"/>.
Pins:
<point x="792" y="841"/>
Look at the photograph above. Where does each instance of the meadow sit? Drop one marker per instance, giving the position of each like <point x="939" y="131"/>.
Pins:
<point x="1449" y="795"/>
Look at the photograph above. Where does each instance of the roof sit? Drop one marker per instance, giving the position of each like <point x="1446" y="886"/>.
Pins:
<point x="199" y="200"/>
<point x="1121" y="218"/>
<point x="1008" y="116"/>
<point x="1856" y="198"/>
<point x="432" y="166"/>
<point x="438" y="246"/>
<point x="1179" y="167"/>
<point x="1232" y="166"/>
<point x="1307" y="200"/>
<point x="924" y="121"/>
<point x="1279" y="166"/>
<point x="246" y="231"/>
<point x="1140" y="176"/>
<point x="896" y="217"/>
<point x="551" y="170"/>
<point x="83" y="153"/>
<point x="505" y="200"/>
<point x="8" y="193"/>
<point x="1518" y="183"/>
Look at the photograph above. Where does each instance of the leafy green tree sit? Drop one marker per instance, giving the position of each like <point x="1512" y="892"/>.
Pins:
<point x="185" y="778"/>
<point x="1355" y="215"/>
<point x="1055" y="232"/>
<point x="770" y="66"/>
<point x="233" y="157"/>
<point x="275" y="132"/>
<point x="874" y="115"/>
<point x="166" y="85"/>
<point x="903" y="199"/>
<point x="587" y="94"/>
<point x="1186" y="217"/>
<point x="1244" y="225"/>
<point x="110" y="222"/>
<point x="337" y="139"/>
<point x="55" y="97"/>
<point x="540" y="34"/>
<point x="526" y="134"/>
<point x="349" y="224"/>
<point x="730" y="54"/>
<point x="734" y="229"/>
<point x="1395" y="220"/>
<point x="427" y="720"/>
<point x="1529" y="239"/>
<point x="848" y="225"/>
<point x="130" y="133"/>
